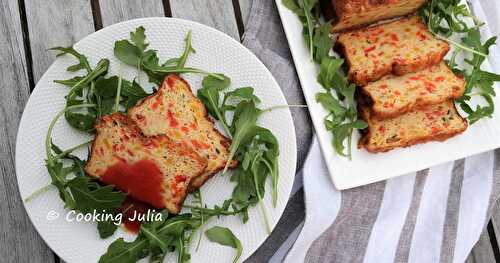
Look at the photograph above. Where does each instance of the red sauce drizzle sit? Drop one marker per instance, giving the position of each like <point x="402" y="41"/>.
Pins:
<point x="131" y="209"/>
<point x="142" y="180"/>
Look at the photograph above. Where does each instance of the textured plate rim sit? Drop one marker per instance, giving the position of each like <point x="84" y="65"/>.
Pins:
<point x="165" y="20"/>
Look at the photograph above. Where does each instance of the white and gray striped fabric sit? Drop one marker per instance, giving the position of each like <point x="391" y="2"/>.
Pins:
<point x="435" y="215"/>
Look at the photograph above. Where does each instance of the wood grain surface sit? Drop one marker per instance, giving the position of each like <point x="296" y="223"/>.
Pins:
<point x="20" y="241"/>
<point x="55" y="23"/>
<point x="114" y="11"/>
<point x="215" y="13"/>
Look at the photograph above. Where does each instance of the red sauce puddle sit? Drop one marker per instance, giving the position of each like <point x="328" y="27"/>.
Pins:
<point x="132" y="210"/>
<point x="142" y="180"/>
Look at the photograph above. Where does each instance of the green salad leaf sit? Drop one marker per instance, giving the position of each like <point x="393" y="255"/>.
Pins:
<point x="224" y="236"/>
<point x="136" y="54"/>
<point x="94" y="94"/>
<point x="447" y="18"/>
<point x="255" y="148"/>
<point x="338" y="97"/>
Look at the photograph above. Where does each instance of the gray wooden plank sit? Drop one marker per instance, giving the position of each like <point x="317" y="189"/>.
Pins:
<point x="55" y="23"/>
<point x="245" y="7"/>
<point x="114" y="11"/>
<point x="215" y="13"/>
<point x="65" y="22"/>
<point x="20" y="241"/>
<point x="482" y="251"/>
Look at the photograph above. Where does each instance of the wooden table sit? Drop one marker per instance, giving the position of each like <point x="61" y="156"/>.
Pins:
<point x="30" y="27"/>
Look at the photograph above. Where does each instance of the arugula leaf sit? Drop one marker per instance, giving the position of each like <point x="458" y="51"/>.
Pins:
<point x="135" y="54"/>
<point x="330" y="103"/>
<point x="106" y="228"/>
<point x="127" y="53"/>
<point x="209" y="95"/>
<point x="90" y="196"/>
<point x="242" y="127"/>
<point x="187" y="50"/>
<point x="155" y="238"/>
<point x="83" y="63"/>
<point x="131" y="92"/>
<point x="139" y="38"/>
<point x="80" y="121"/>
<point x="224" y="236"/>
<point x="245" y="93"/>
<point x="338" y="98"/>
<point x="121" y="251"/>
<point x="343" y="117"/>
<point x="69" y="82"/>
<point x="308" y="14"/>
<point x="478" y="79"/>
<point x="255" y="148"/>
<point x="322" y="42"/>
<point x="446" y="18"/>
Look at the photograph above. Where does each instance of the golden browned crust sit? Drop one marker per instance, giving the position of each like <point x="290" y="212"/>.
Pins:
<point x="198" y="181"/>
<point x="366" y="133"/>
<point x="398" y="66"/>
<point x="418" y="104"/>
<point x="135" y="132"/>
<point x="346" y="9"/>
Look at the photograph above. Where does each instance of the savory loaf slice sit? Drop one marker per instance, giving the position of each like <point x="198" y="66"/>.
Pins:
<point x="154" y="170"/>
<point x="175" y="111"/>
<point x="433" y="123"/>
<point x="394" y="95"/>
<point x="350" y="14"/>
<point x="400" y="47"/>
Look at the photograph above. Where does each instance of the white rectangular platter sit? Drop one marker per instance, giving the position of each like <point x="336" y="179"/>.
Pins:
<point x="365" y="167"/>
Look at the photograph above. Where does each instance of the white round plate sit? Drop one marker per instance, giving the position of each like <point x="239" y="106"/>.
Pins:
<point x="215" y="52"/>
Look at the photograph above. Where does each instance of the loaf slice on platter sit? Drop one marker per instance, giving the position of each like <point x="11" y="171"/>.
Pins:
<point x="176" y="112"/>
<point x="154" y="170"/>
<point x="433" y="123"/>
<point x="392" y="95"/>
<point x="351" y="14"/>
<point x="399" y="47"/>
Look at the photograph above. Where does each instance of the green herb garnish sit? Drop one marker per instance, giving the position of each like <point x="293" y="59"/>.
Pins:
<point x="224" y="236"/>
<point x="450" y="18"/>
<point x="338" y="97"/>
<point x="93" y="95"/>
<point x="254" y="147"/>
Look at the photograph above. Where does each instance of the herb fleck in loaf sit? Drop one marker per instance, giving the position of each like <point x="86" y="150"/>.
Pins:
<point x="154" y="170"/>
<point x="394" y="95"/>
<point x="352" y="14"/>
<point x="434" y="123"/>
<point x="399" y="47"/>
<point x="175" y="111"/>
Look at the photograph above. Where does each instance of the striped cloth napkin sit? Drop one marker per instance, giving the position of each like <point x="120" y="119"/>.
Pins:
<point x="435" y="215"/>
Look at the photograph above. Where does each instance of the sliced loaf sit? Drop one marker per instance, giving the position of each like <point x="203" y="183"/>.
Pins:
<point x="399" y="47"/>
<point x="174" y="111"/>
<point x="154" y="170"/>
<point x="392" y="95"/>
<point x="350" y="14"/>
<point x="434" y="123"/>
